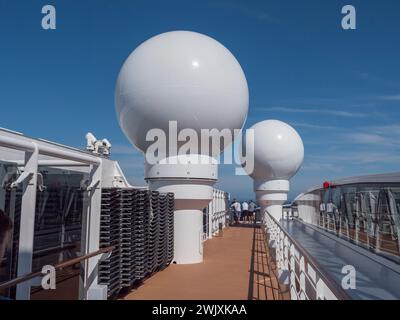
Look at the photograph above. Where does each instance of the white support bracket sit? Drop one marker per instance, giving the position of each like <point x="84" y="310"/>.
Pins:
<point x="93" y="185"/>
<point x="26" y="175"/>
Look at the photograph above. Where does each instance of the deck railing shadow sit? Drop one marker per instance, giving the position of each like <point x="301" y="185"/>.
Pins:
<point x="263" y="283"/>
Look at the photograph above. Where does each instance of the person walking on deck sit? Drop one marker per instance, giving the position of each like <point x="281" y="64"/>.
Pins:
<point x="245" y="211"/>
<point x="236" y="210"/>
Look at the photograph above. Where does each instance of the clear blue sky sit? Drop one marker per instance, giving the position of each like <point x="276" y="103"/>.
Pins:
<point x="339" y="89"/>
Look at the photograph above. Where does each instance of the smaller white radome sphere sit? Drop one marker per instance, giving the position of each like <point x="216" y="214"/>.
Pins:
<point x="278" y="151"/>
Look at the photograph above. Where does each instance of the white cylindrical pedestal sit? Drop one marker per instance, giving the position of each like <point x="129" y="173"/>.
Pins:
<point x="188" y="246"/>
<point x="191" y="182"/>
<point x="275" y="210"/>
<point x="271" y="195"/>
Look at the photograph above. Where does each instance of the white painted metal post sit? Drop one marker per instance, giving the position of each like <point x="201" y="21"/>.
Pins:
<point x="210" y="220"/>
<point x="221" y="207"/>
<point x="213" y="212"/>
<point x="27" y="224"/>
<point x="218" y="210"/>
<point x="89" y="289"/>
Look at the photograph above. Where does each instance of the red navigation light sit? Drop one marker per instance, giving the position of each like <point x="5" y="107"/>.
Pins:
<point x="326" y="185"/>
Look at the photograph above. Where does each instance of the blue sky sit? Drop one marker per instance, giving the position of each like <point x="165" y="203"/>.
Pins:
<point x="339" y="89"/>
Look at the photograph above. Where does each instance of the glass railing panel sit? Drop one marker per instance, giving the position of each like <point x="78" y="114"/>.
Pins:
<point x="10" y="204"/>
<point x="365" y="214"/>
<point x="58" y="226"/>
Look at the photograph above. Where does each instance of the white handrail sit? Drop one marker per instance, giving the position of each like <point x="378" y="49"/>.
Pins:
<point x="19" y="143"/>
<point x="301" y="270"/>
<point x="12" y="143"/>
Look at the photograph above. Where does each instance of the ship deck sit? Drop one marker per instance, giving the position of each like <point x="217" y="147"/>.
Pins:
<point x="236" y="267"/>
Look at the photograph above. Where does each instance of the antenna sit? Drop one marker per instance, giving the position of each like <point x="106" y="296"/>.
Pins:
<point x="278" y="154"/>
<point x="100" y="147"/>
<point x="194" y="81"/>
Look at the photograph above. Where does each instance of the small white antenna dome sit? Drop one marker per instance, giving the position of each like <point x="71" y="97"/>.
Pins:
<point x="278" y="151"/>
<point x="180" y="76"/>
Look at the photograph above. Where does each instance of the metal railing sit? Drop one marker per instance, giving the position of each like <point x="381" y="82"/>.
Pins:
<point x="364" y="231"/>
<point x="299" y="270"/>
<point x="217" y="217"/>
<point x="62" y="265"/>
<point x="28" y="181"/>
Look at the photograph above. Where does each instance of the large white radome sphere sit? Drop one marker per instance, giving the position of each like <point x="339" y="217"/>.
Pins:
<point x="278" y="151"/>
<point x="183" y="76"/>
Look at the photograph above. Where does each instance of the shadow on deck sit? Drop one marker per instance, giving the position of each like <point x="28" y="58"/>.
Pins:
<point x="263" y="283"/>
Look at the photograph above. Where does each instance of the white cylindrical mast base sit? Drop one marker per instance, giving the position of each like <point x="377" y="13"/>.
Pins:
<point x="188" y="242"/>
<point x="191" y="179"/>
<point x="275" y="210"/>
<point x="271" y="195"/>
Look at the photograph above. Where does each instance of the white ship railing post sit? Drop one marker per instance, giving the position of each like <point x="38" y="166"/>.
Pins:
<point x="88" y="287"/>
<point x="297" y="269"/>
<point x="27" y="224"/>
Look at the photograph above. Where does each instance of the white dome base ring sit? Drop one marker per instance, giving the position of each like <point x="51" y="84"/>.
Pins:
<point x="274" y="210"/>
<point x="271" y="195"/>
